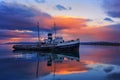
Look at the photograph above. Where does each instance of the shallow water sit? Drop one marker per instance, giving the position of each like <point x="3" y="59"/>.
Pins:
<point x="93" y="63"/>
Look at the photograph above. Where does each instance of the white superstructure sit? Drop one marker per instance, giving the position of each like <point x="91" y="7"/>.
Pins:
<point x="50" y="40"/>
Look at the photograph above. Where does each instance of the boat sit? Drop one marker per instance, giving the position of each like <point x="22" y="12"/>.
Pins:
<point x="67" y="46"/>
<point x="57" y="44"/>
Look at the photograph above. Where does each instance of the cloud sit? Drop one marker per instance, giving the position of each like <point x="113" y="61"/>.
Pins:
<point x="108" y="19"/>
<point x="114" y="14"/>
<point x="5" y="34"/>
<point x="61" y="7"/>
<point x="40" y="1"/>
<point x="112" y="8"/>
<point x="62" y="24"/>
<point x="20" y="17"/>
<point x="90" y="33"/>
<point x="115" y="75"/>
<point x="106" y="33"/>
<point x="16" y="16"/>
<point x="114" y="26"/>
<point x="16" y="36"/>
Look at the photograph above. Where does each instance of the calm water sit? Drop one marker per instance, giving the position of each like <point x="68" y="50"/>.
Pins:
<point x="92" y="63"/>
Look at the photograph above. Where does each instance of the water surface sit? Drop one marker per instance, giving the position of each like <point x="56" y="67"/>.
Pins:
<point x="93" y="63"/>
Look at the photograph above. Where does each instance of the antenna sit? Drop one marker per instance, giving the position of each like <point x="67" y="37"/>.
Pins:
<point x="38" y="32"/>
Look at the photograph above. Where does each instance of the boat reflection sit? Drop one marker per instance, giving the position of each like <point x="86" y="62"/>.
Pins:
<point x="55" y="64"/>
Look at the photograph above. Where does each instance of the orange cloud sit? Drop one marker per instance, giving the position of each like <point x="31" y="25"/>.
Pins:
<point x="65" y="25"/>
<point x="61" y="22"/>
<point x="70" y="22"/>
<point x="68" y="27"/>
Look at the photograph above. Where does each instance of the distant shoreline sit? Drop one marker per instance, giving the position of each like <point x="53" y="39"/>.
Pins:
<point x="101" y="43"/>
<point x="81" y="43"/>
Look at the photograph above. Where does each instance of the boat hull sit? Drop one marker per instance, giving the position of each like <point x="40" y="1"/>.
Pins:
<point x="67" y="48"/>
<point x="74" y="47"/>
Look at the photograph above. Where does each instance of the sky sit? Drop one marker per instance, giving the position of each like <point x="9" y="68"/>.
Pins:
<point x="88" y="20"/>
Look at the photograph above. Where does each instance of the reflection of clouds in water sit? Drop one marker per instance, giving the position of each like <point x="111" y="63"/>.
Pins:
<point x="93" y="75"/>
<point x="20" y="63"/>
<point x="18" y="56"/>
<point x="25" y="56"/>
<point x="96" y="72"/>
<point x="113" y="76"/>
<point x="101" y="67"/>
<point x="101" y="54"/>
<point x="112" y="72"/>
<point x="108" y="68"/>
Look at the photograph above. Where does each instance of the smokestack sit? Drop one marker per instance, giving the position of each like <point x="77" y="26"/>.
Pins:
<point x="50" y="36"/>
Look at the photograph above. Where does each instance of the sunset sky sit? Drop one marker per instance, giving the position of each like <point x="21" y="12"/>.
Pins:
<point x="88" y="20"/>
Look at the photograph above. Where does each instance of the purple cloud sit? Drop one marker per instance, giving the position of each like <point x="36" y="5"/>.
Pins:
<point x="112" y="8"/>
<point x="40" y="1"/>
<point x="16" y="16"/>
<point x="114" y="27"/>
<point x="61" y="7"/>
<point x="108" y="19"/>
<point x="114" y="14"/>
<point x="114" y="32"/>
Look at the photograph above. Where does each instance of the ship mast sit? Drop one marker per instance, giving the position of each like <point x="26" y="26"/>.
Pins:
<point x="55" y="29"/>
<point x="38" y="33"/>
